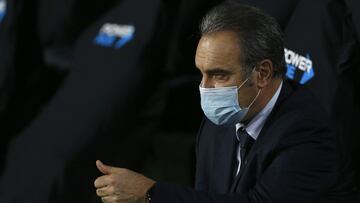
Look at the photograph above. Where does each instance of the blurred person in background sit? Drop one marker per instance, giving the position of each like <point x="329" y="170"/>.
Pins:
<point x="72" y="80"/>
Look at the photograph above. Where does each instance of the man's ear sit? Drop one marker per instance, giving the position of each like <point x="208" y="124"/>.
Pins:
<point x="264" y="73"/>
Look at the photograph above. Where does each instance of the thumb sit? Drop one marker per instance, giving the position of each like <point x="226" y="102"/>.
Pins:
<point x="105" y="169"/>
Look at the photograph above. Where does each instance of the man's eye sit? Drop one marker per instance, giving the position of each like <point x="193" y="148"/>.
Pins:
<point x="220" y="77"/>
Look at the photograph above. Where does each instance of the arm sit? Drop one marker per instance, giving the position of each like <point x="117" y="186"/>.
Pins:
<point x="302" y="168"/>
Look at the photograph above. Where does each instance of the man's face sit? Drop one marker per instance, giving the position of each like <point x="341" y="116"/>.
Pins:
<point x="218" y="59"/>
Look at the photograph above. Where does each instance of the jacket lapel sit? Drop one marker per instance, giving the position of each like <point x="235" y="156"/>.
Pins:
<point x="287" y="89"/>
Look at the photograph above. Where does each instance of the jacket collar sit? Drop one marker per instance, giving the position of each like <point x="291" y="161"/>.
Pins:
<point x="286" y="90"/>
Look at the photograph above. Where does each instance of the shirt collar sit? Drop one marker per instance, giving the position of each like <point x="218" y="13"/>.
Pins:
<point x="256" y="124"/>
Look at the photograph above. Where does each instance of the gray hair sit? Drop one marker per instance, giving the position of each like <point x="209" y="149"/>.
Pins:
<point x="260" y="36"/>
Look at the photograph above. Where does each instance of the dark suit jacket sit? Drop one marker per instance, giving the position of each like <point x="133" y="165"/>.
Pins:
<point x="294" y="159"/>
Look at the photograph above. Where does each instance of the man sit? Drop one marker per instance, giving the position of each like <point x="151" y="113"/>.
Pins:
<point x="264" y="138"/>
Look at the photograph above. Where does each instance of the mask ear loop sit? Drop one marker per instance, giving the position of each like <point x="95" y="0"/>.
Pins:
<point x="254" y="99"/>
<point x="257" y="93"/>
<point x="247" y="79"/>
<point x="242" y="84"/>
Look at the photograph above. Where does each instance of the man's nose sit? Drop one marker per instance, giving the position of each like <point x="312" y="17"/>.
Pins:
<point x="207" y="83"/>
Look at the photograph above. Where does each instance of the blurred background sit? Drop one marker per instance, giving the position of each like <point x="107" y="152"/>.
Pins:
<point x="115" y="80"/>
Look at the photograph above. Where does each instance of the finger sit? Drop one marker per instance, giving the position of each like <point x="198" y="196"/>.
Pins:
<point x="109" y="199"/>
<point x="105" y="191"/>
<point x="105" y="169"/>
<point x="103" y="181"/>
<point x="102" y="168"/>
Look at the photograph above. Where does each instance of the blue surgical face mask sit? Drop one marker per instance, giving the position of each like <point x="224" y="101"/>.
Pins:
<point x="221" y="105"/>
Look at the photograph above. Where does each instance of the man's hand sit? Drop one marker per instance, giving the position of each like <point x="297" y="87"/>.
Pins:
<point x="121" y="185"/>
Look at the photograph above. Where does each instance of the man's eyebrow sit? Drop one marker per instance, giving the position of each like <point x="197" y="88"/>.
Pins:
<point x="218" y="71"/>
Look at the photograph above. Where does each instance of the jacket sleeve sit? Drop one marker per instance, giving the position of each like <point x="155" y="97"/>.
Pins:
<point x="170" y="193"/>
<point x="303" y="167"/>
